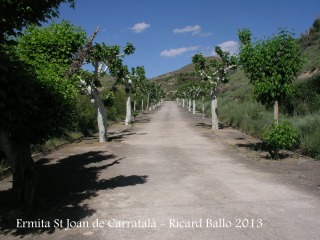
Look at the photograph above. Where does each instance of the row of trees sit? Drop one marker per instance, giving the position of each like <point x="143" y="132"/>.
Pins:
<point x="270" y="64"/>
<point x="191" y="91"/>
<point x="211" y="73"/>
<point x="41" y="79"/>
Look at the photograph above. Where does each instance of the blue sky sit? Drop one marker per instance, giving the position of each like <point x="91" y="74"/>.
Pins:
<point x="166" y="33"/>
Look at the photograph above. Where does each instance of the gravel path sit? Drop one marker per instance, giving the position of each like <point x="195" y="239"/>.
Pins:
<point x="165" y="178"/>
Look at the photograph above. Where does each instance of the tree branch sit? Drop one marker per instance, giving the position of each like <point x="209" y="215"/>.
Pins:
<point x="78" y="60"/>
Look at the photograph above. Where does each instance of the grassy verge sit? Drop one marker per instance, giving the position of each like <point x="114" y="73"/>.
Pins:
<point x="308" y="128"/>
<point x="55" y="142"/>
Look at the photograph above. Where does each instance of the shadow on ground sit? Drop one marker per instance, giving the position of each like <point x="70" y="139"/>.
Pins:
<point x="119" y="136"/>
<point x="63" y="186"/>
<point x="261" y="147"/>
<point x="143" y="118"/>
<point x="208" y="126"/>
<point x="113" y="136"/>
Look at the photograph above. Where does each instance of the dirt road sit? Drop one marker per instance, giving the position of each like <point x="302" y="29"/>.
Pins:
<point x="165" y="178"/>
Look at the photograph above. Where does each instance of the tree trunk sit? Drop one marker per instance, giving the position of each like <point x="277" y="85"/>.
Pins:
<point x="202" y="107"/>
<point x="101" y="110"/>
<point x="148" y="102"/>
<point x="142" y="105"/>
<point x="128" y="105"/>
<point x="189" y="101"/>
<point x="194" y="106"/>
<point x="214" y="110"/>
<point x="183" y="102"/>
<point x="101" y="116"/>
<point x="17" y="152"/>
<point x="134" y="105"/>
<point x="276" y="112"/>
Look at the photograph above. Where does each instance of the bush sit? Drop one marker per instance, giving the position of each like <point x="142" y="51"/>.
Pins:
<point x="249" y="116"/>
<point x="309" y="131"/>
<point x="117" y="110"/>
<point x="279" y="136"/>
<point x="305" y="98"/>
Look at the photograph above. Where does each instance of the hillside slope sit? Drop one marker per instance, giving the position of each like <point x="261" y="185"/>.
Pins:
<point x="171" y="81"/>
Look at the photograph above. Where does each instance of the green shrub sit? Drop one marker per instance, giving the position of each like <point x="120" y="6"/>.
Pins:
<point x="305" y="98"/>
<point x="117" y="110"/>
<point x="309" y="131"/>
<point x="279" y="136"/>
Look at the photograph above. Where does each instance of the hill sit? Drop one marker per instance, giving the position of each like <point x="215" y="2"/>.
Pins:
<point x="171" y="81"/>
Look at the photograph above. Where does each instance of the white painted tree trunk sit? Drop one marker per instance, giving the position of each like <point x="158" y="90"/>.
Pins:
<point x="214" y="110"/>
<point x="128" y="108"/>
<point x="142" y="105"/>
<point x="194" y="106"/>
<point x="148" y="102"/>
<point x="189" y="105"/>
<point x="101" y="110"/>
<point x="203" y="107"/>
<point x="134" y="105"/>
<point x="183" y="102"/>
<point x="102" y="124"/>
<point x="276" y="112"/>
<point x="101" y="115"/>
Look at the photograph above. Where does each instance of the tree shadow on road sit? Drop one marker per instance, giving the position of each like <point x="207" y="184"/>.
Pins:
<point x="208" y="126"/>
<point x="143" y="118"/>
<point x="120" y="136"/>
<point x="262" y="147"/>
<point x="113" y="136"/>
<point x="62" y="189"/>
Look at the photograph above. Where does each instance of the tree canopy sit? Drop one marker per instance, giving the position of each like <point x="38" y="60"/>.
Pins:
<point x="48" y="53"/>
<point x="16" y="14"/>
<point x="270" y="64"/>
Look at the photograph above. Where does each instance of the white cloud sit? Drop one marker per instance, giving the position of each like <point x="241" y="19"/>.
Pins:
<point x="230" y="46"/>
<point x="205" y="34"/>
<point x="194" y="29"/>
<point x="140" y="27"/>
<point x="177" y="51"/>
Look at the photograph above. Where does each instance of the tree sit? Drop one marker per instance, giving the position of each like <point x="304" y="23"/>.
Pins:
<point x="15" y="14"/>
<point x="182" y="93"/>
<point x="50" y="50"/>
<point x="270" y="64"/>
<point x="215" y="72"/>
<point x="138" y="81"/>
<point x="192" y="89"/>
<point x="155" y="94"/>
<point x="34" y="83"/>
<point x="104" y="58"/>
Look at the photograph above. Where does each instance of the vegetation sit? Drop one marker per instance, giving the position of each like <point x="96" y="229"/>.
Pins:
<point x="50" y="51"/>
<point x="41" y="98"/>
<point x="270" y="65"/>
<point x="215" y="73"/>
<point x="238" y="107"/>
<point x="279" y="136"/>
<point x="29" y="90"/>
